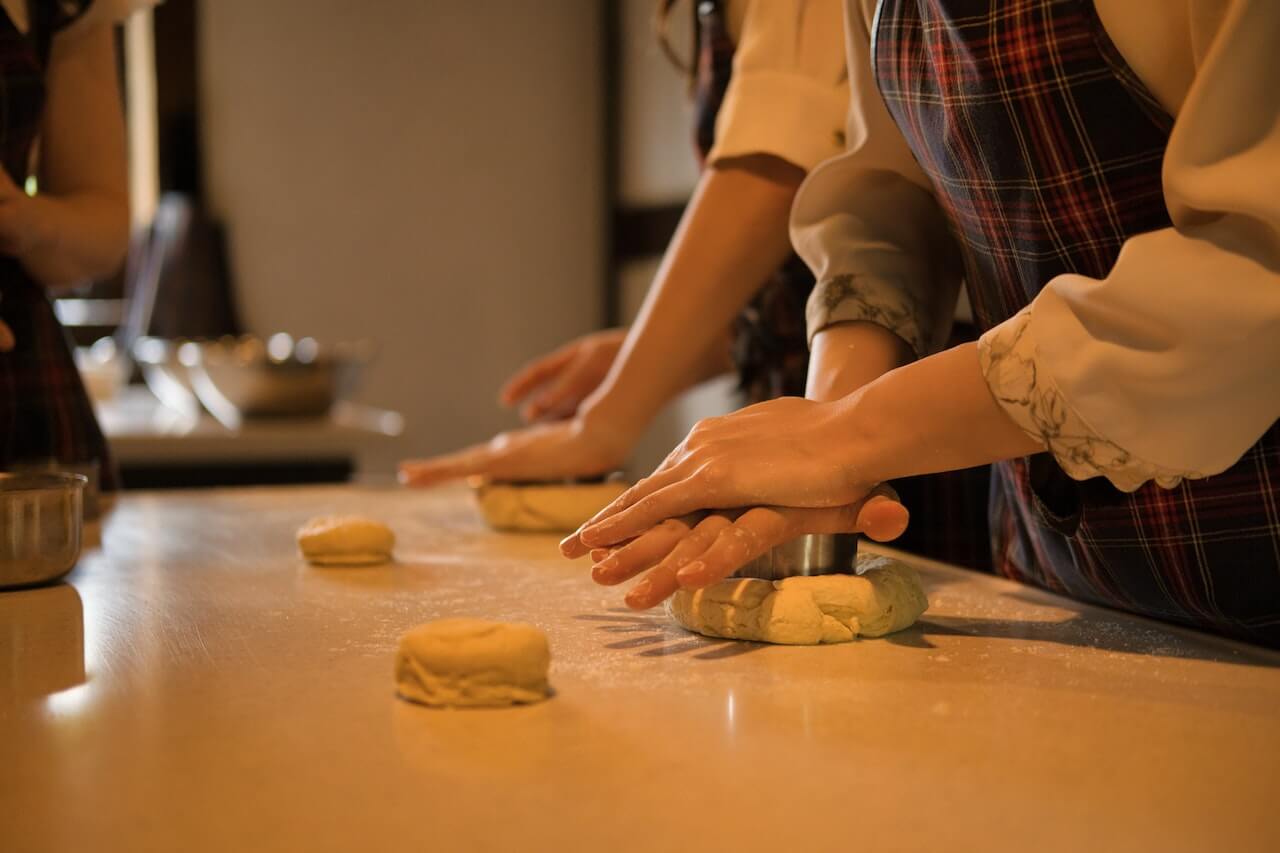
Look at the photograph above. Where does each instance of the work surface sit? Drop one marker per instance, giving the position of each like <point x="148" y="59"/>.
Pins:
<point x="235" y="699"/>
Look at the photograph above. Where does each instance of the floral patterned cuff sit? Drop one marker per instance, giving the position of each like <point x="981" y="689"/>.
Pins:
<point x="1008" y="357"/>
<point x="851" y="298"/>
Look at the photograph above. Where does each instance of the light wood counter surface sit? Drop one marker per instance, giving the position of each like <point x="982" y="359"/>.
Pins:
<point x="235" y="699"/>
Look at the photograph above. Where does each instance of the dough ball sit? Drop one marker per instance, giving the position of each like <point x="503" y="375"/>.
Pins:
<point x="805" y="611"/>
<point x="473" y="662"/>
<point x="543" y="507"/>
<point x="347" y="540"/>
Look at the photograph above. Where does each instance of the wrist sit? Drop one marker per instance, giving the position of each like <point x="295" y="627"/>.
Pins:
<point x="857" y="444"/>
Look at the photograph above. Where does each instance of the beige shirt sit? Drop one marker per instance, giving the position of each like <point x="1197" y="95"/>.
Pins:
<point x="788" y="95"/>
<point x="1170" y="366"/>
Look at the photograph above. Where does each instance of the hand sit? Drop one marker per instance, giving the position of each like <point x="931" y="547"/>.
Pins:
<point x="547" y="451"/>
<point x="676" y="556"/>
<point x="555" y="385"/>
<point x="6" y="338"/>
<point x="784" y="452"/>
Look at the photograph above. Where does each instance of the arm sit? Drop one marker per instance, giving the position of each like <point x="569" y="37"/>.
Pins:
<point x="1166" y="368"/>
<point x="77" y="226"/>
<point x="732" y="238"/>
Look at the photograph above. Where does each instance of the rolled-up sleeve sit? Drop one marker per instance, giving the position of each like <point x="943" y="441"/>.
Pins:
<point x="788" y="93"/>
<point x="1169" y="368"/>
<point x="868" y="226"/>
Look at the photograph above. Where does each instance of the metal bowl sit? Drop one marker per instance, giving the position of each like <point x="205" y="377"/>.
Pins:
<point x="165" y="375"/>
<point x="41" y="521"/>
<point x="811" y="554"/>
<point x="247" y="377"/>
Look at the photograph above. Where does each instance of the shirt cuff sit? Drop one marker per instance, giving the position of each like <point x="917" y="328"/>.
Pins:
<point x="854" y="298"/>
<point x="1030" y="397"/>
<point x="786" y="115"/>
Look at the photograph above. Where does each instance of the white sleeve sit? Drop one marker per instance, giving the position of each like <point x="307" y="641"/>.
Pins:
<point x="868" y="226"/>
<point x="105" y="12"/>
<point x="788" y="94"/>
<point x="1170" y="366"/>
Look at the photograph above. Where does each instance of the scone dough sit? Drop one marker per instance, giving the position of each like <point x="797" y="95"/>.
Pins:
<point x="803" y="611"/>
<point x="473" y="662"/>
<point x="543" y="507"/>
<point x="347" y="540"/>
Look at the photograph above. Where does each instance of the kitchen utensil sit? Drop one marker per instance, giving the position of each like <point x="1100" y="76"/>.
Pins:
<point x="248" y="377"/>
<point x="811" y="554"/>
<point x="166" y="376"/>
<point x="41" y="521"/>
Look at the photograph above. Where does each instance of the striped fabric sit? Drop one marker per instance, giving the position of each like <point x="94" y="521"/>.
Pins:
<point x="45" y="413"/>
<point x="1044" y="150"/>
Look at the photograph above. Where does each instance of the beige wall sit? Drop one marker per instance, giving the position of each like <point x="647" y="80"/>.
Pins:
<point x="422" y="172"/>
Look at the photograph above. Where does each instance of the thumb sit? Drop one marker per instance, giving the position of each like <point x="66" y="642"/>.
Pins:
<point x="882" y="516"/>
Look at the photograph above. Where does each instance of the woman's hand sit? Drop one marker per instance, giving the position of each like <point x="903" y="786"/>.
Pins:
<point x="784" y="452"/>
<point x="676" y="555"/>
<point x="554" y="386"/>
<point x="548" y="451"/>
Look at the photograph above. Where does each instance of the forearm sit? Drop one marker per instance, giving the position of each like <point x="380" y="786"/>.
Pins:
<point x="847" y="356"/>
<point x="732" y="238"/>
<point x="76" y="238"/>
<point x="934" y="415"/>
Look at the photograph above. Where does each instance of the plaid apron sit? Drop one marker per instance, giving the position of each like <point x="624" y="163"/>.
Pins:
<point x="45" y="413"/>
<point x="771" y="349"/>
<point x="1045" y="151"/>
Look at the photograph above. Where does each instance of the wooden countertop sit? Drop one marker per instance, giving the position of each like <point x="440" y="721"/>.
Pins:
<point x="235" y="699"/>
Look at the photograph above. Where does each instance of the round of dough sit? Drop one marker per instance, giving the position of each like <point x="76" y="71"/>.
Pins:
<point x="805" y="611"/>
<point x="345" y="540"/>
<point x="473" y="663"/>
<point x="543" y="507"/>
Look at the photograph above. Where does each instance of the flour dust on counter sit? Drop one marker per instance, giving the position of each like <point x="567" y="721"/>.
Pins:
<point x="345" y="540"/>
<point x="885" y="596"/>
<point x="473" y="663"/>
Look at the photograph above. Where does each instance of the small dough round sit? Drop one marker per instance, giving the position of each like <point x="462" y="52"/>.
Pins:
<point x="473" y="663"/>
<point x="345" y="540"/>
<point x="543" y="507"/>
<point x="806" y="611"/>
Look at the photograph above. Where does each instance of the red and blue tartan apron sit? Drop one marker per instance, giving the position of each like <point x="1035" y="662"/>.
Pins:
<point x="771" y="349"/>
<point x="45" y="413"/>
<point x="1045" y="150"/>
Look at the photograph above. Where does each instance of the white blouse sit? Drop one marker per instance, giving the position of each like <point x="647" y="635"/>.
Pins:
<point x="788" y="95"/>
<point x="1170" y="366"/>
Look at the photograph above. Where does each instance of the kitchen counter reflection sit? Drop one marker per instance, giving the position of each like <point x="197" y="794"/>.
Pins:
<point x="41" y="642"/>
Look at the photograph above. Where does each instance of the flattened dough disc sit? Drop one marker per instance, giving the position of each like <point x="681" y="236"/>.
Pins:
<point x="543" y="507"/>
<point x="345" y="540"/>
<point x="803" y="611"/>
<point x="473" y="663"/>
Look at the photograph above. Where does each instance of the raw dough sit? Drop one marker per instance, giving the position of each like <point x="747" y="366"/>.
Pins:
<point x="345" y="540"/>
<point x="543" y="507"/>
<point x="473" y="662"/>
<point x="804" y="611"/>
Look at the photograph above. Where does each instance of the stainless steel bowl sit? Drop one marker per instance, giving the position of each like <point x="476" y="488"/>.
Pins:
<point x="248" y="377"/>
<point x="41" y="521"/>
<point x="166" y="376"/>
<point x="812" y="554"/>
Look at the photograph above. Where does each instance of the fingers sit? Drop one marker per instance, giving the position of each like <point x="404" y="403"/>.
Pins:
<point x="660" y="582"/>
<point x="453" y="466"/>
<point x="881" y="516"/>
<point x="574" y="546"/>
<point x="640" y="554"/>
<point x="749" y="536"/>
<point x="561" y="398"/>
<point x="7" y="341"/>
<point x="534" y="374"/>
